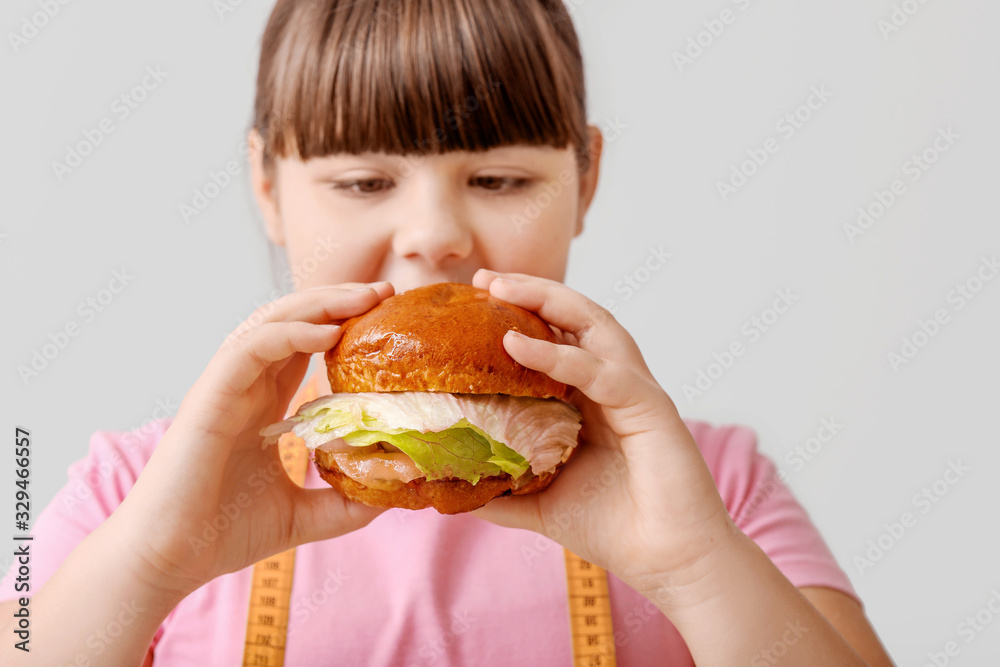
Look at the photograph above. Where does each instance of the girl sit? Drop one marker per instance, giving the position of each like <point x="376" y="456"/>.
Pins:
<point x="416" y="135"/>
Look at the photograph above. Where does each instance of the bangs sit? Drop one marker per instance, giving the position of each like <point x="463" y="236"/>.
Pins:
<point x="419" y="76"/>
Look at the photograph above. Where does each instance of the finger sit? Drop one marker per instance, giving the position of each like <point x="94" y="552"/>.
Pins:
<point x="289" y="379"/>
<point x="240" y="366"/>
<point x="591" y="475"/>
<point x="277" y="369"/>
<point x="609" y="383"/>
<point x="317" y="305"/>
<point x="383" y="287"/>
<point x="322" y="514"/>
<point x="327" y="303"/>
<point x="592" y="326"/>
<point x="513" y="512"/>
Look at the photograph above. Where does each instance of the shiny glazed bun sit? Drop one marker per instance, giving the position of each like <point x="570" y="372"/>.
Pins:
<point x="444" y="337"/>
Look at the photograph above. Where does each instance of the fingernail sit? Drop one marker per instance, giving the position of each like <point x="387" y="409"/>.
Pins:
<point x="377" y="284"/>
<point x="361" y="289"/>
<point x="330" y="327"/>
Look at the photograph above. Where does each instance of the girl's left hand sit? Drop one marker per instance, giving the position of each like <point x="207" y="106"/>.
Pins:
<point x="659" y="512"/>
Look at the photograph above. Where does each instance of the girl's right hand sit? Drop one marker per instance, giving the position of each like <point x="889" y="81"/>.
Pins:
<point x="210" y="466"/>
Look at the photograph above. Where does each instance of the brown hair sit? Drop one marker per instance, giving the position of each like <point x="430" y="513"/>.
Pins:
<point x="419" y="76"/>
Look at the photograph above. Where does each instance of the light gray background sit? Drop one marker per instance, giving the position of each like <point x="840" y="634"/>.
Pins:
<point x="679" y="132"/>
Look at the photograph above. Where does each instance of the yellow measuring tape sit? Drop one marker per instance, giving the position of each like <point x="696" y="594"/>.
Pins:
<point x="271" y="591"/>
<point x="589" y="613"/>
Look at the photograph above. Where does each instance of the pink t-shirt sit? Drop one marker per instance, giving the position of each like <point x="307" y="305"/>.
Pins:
<point x="420" y="588"/>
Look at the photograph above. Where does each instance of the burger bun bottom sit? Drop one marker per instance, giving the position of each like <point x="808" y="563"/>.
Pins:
<point x="447" y="496"/>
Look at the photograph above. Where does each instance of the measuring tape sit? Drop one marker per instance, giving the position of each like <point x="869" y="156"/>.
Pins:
<point x="271" y="591"/>
<point x="589" y="613"/>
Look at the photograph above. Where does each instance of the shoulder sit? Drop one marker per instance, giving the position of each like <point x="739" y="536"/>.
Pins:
<point x="715" y="439"/>
<point x="731" y="452"/>
<point x="112" y="464"/>
<point x="748" y="480"/>
<point x="765" y="509"/>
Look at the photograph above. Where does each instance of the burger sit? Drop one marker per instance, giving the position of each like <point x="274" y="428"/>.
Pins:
<point x="429" y="410"/>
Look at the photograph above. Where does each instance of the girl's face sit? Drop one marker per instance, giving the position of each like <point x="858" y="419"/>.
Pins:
<point x="415" y="220"/>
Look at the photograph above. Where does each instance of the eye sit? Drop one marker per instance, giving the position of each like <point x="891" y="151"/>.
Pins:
<point x="499" y="183"/>
<point x="364" y="185"/>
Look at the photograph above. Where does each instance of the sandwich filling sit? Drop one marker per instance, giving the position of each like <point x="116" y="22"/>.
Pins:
<point x="380" y="438"/>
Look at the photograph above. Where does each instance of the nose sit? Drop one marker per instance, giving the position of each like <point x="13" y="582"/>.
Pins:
<point x="434" y="229"/>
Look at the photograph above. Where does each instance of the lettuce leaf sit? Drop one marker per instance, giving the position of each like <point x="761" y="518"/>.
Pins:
<point x="456" y="452"/>
<point x="477" y="435"/>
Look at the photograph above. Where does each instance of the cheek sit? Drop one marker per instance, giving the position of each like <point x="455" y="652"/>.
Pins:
<point x="553" y="220"/>
<point x="322" y="249"/>
<point x="535" y="239"/>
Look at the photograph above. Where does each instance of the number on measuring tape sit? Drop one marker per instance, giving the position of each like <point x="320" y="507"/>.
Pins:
<point x="591" y="628"/>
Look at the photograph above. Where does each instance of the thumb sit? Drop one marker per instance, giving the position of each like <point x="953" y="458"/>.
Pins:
<point x="513" y="512"/>
<point x="322" y="514"/>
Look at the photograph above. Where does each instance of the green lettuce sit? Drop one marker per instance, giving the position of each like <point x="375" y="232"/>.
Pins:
<point x="462" y="451"/>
